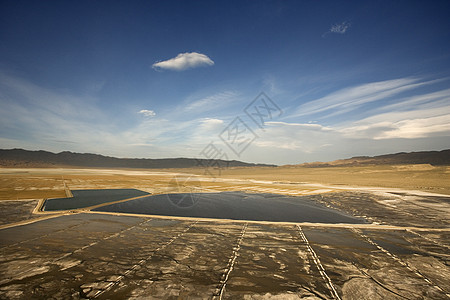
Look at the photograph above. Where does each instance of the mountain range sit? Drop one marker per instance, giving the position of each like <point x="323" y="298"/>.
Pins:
<point x="28" y="158"/>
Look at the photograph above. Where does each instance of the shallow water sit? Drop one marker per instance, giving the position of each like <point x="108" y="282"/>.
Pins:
<point x="236" y="206"/>
<point x="86" y="198"/>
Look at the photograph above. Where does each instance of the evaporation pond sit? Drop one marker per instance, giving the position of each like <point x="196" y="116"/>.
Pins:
<point x="234" y="205"/>
<point x="86" y="198"/>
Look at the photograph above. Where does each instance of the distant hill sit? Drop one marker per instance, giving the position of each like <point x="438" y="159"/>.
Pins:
<point x="26" y="158"/>
<point x="435" y="158"/>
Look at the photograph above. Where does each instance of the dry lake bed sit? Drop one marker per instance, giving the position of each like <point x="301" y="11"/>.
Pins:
<point x="390" y="244"/>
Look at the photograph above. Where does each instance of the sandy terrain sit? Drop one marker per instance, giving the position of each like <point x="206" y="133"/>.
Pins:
<point x="33" y="183"/>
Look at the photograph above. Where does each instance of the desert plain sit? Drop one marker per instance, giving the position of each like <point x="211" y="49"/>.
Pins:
<point x="402" y="251"/>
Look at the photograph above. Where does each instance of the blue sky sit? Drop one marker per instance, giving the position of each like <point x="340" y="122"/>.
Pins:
<point x="168" y="78"/>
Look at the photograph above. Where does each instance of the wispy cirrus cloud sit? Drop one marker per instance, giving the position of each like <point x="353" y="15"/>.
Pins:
<point x="352" y="98"/>
<point x="422" y="101"/>
<point x="38" y="118"/>
<point x="414" y="116"/>
<point x="407" y="123"/>
<point x="391" y="124"/>
<point x="308" y="126"/>
<point x="298" y="137"/>
<point x="35" y="117"/>
<point x="212" y="102"/>
<point x="184" y="61"/>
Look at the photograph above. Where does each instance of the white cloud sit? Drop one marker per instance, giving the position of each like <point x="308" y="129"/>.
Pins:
<point x="340" y="28"/>
<point x="184" y="61"/>
<point x="147" y="113"/>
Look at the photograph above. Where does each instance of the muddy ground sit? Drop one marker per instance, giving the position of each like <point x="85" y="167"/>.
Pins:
<point x="85" y="255"/>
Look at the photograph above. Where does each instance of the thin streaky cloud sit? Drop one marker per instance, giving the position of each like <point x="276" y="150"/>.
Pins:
<point x="394" y="116"/>
<point x="420" y="116"/>
<point x="406" y="124"/>
<point x="419" y="101"/>
<point x="212" y="102"/>
<point x="405" y="128"/>
<point x="418" y="128"/>
<point x="184" y="61"/>
<point x="348" y="99"/>
<point x="58" y="103"/>
<point x="300" y="125"/>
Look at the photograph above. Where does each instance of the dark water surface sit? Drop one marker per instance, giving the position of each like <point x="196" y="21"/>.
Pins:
<point x="85" y="198"/>
<point x="236" y="206"/>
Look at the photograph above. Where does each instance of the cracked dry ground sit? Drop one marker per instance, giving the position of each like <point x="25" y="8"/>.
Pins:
<point x="99" y="256"/>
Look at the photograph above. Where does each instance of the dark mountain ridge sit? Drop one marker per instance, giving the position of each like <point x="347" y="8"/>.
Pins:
<point x="40" y="158"/>
<point x="435" y="158"/>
